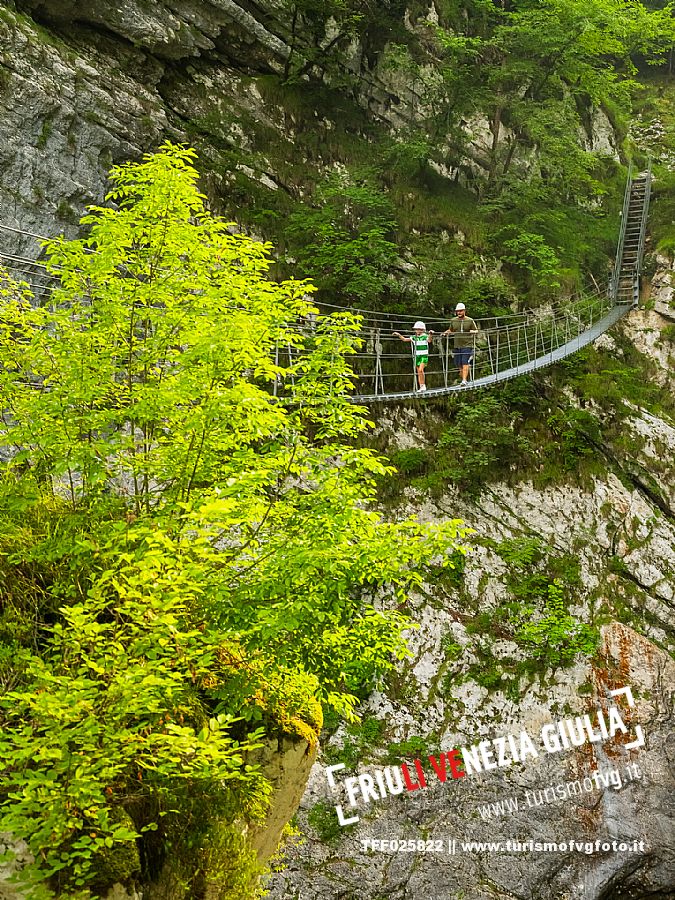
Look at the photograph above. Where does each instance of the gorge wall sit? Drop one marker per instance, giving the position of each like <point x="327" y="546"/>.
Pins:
<point x="466" y="683"/>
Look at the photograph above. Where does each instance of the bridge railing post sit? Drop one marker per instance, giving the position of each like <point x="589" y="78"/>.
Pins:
<point x="377" y="346"/>
<point x="518" y="348"/>
<point x="550" y="343"/>
<point x="527" y="343"/>
<point x="534" y="351"/>
<point x="490" y="356"/>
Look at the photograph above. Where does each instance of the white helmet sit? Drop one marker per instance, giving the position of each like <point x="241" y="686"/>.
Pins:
<point x="459" y="306"/>
<point x="419" y="325"/>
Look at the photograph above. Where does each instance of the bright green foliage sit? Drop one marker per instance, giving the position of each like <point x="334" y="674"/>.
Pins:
<point x="137" y="383"/>
<point x="187" y="563"/>
<point x="111" y="713"/>
<point x="555" y="636"/>
<point x="542" y="587"/>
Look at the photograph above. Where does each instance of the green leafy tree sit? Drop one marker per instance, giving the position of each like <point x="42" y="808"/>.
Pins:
<point x="531" y="253"/>
<point x="189" y="562"/>
<point x="345" y="240"/>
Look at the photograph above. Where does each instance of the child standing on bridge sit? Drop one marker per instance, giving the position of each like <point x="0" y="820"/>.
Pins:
<point x="420" y="340"/>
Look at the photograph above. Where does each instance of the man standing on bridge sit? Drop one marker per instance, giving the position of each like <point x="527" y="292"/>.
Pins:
<point x="464" y="328"/>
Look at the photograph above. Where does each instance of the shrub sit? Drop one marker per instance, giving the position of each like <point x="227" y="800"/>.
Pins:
<point x="411" y="462"/>
<point x="323" y="819"/>
<point x="480" y="441"/>
<point x="554" y="636"/>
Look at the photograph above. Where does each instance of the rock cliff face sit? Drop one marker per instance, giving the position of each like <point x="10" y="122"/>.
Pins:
<point x="639" y="810"/>
<point x="87" y="84"/>
<point x="465" y="683"/>
<point x="432" y="707"/>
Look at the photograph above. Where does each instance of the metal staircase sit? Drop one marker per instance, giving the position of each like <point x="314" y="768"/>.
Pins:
<point x="630" y="247"/>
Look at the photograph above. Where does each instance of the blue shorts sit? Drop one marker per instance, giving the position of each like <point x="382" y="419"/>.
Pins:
<point x="463" y="356"/>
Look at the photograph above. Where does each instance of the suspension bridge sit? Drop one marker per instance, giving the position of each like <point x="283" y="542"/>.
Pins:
<point x="503" y="347"/>
<point x="508" y="346"/>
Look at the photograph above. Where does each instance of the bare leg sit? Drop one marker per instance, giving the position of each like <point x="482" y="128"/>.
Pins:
<point x="420" y="375"/>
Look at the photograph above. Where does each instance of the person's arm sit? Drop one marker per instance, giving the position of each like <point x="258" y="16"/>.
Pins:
<point x="447" y="331"/>
<point x="431" y="334"/>
<point x="402" y="337"/>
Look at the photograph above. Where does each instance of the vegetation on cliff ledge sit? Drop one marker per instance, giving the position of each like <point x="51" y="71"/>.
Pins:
<point x="474" y="152"/>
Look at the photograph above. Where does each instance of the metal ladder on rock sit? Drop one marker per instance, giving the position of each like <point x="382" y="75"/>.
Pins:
<point x="631" y="244"/>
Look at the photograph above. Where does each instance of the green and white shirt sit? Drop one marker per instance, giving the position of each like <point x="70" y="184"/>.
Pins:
<point x="421" y="345"/>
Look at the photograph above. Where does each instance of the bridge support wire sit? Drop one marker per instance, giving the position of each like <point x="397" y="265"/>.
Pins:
<point x="377" y="347"/>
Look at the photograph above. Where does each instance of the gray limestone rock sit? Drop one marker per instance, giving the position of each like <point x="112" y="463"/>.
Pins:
<point x="641" y="810"/>
<point x="624" y="545"/>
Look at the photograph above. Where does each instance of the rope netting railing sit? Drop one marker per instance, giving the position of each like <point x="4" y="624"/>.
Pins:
<point x="384" y="366"/>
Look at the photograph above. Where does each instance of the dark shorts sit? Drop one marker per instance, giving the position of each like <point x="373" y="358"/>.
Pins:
<point x="463" y="355"/>
<point x="421" y="360"/>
